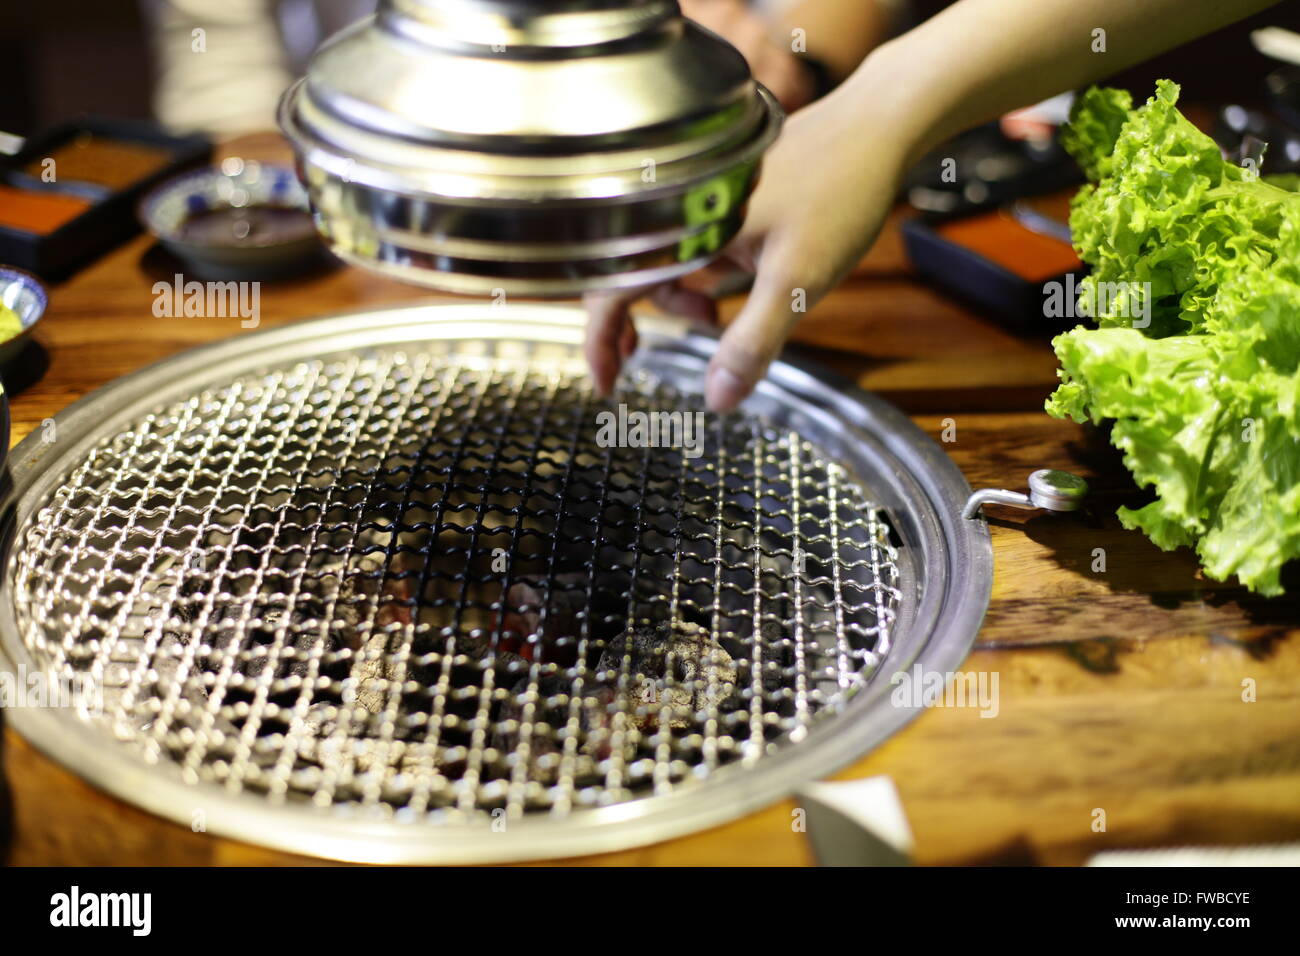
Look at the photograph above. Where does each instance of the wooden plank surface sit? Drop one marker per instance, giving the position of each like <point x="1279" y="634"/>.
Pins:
<point x="1120" y="689"/>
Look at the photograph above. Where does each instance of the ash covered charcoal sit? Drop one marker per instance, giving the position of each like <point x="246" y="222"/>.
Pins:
<point x="367" y="593"/>
<point x="655" y="676"/>
<point x="550" y="715"/>
<point x="367" y="600"/>
<point x="371" y="598"/>
<point x="678" y="669"/>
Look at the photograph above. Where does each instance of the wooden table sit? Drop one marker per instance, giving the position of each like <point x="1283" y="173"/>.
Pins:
<point x="1120" y="690"/>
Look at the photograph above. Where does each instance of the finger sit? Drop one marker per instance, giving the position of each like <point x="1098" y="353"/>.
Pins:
<point x="607" y="317"/>
<point x="781" y="73"/>
<point x="627" y="340"/>
<point x="763" y="214"/>
<point x="677" y="299"/>
<point x="755" y="338"/>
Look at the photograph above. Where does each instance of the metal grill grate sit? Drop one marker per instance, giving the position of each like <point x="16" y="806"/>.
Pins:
<point x="413" y="580"/>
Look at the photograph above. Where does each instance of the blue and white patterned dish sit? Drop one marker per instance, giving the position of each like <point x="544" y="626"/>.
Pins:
<point x="25" y="294"/>
<point x="235" y="184"/>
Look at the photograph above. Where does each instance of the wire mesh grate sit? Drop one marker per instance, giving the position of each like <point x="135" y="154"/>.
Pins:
<point x="416" y="581"/>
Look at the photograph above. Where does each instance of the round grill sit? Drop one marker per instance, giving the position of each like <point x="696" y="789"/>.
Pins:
<point x="426" y="597"/>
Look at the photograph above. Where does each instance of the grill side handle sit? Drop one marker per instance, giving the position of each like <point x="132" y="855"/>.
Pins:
<point x="1049" y="490"/>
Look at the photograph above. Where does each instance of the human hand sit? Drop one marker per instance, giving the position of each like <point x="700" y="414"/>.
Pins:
<point x="773" y="64"/>
<point x="826" y="187"/>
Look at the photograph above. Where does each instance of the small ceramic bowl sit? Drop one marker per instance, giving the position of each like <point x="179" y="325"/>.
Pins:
<point x="240" y="220"/>
<point x="23" y="293"/>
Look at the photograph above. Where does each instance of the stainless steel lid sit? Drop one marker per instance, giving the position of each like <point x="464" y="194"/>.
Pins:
<point x="536" y="147"/>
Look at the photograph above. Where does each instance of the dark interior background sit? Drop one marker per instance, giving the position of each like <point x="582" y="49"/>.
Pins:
<point x="62" y="58"/>
<point x="1222" y="67"/>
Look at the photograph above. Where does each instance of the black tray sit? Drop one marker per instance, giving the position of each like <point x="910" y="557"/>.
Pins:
<point x="107" y="223"/>
<point x="1010" y="299"/>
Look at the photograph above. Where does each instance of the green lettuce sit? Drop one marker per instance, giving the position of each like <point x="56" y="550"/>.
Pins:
<point x="1201" y="382"/>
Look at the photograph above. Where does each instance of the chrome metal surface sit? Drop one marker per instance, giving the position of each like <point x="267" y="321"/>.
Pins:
<point x="475" y="145"/>
<point x="1049" y="490"/>
<point x="996" y="496"/>
<point x="375" y="588"/>
<point x="1057" y="490"/>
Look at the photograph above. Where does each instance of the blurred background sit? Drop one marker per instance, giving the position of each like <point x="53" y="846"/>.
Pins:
<point x="63" y="58"/>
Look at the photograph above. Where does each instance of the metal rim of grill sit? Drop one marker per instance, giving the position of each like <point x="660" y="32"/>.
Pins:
<point x="275" y="555"/>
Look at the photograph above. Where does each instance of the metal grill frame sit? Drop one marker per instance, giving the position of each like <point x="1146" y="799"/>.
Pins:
<point x="917" y="485"/>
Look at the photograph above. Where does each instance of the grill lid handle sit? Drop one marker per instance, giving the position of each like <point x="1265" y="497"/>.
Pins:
<point x="1048" y="489"/>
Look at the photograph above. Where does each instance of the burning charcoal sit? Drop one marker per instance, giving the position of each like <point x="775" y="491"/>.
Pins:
<point x="367" y="601"/>
<point x="560" y="627"/>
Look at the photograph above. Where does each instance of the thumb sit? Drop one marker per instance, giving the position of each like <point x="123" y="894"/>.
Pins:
<point x="755" y="337"/>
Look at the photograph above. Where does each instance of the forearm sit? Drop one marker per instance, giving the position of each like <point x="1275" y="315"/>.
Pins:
<point x="980" y="58"/>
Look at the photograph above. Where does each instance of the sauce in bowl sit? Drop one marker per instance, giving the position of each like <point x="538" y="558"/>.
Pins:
<point x="256" y="225"/>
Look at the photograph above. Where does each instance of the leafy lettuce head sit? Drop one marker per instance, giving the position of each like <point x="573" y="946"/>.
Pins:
<point x="1204" y="391"/>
